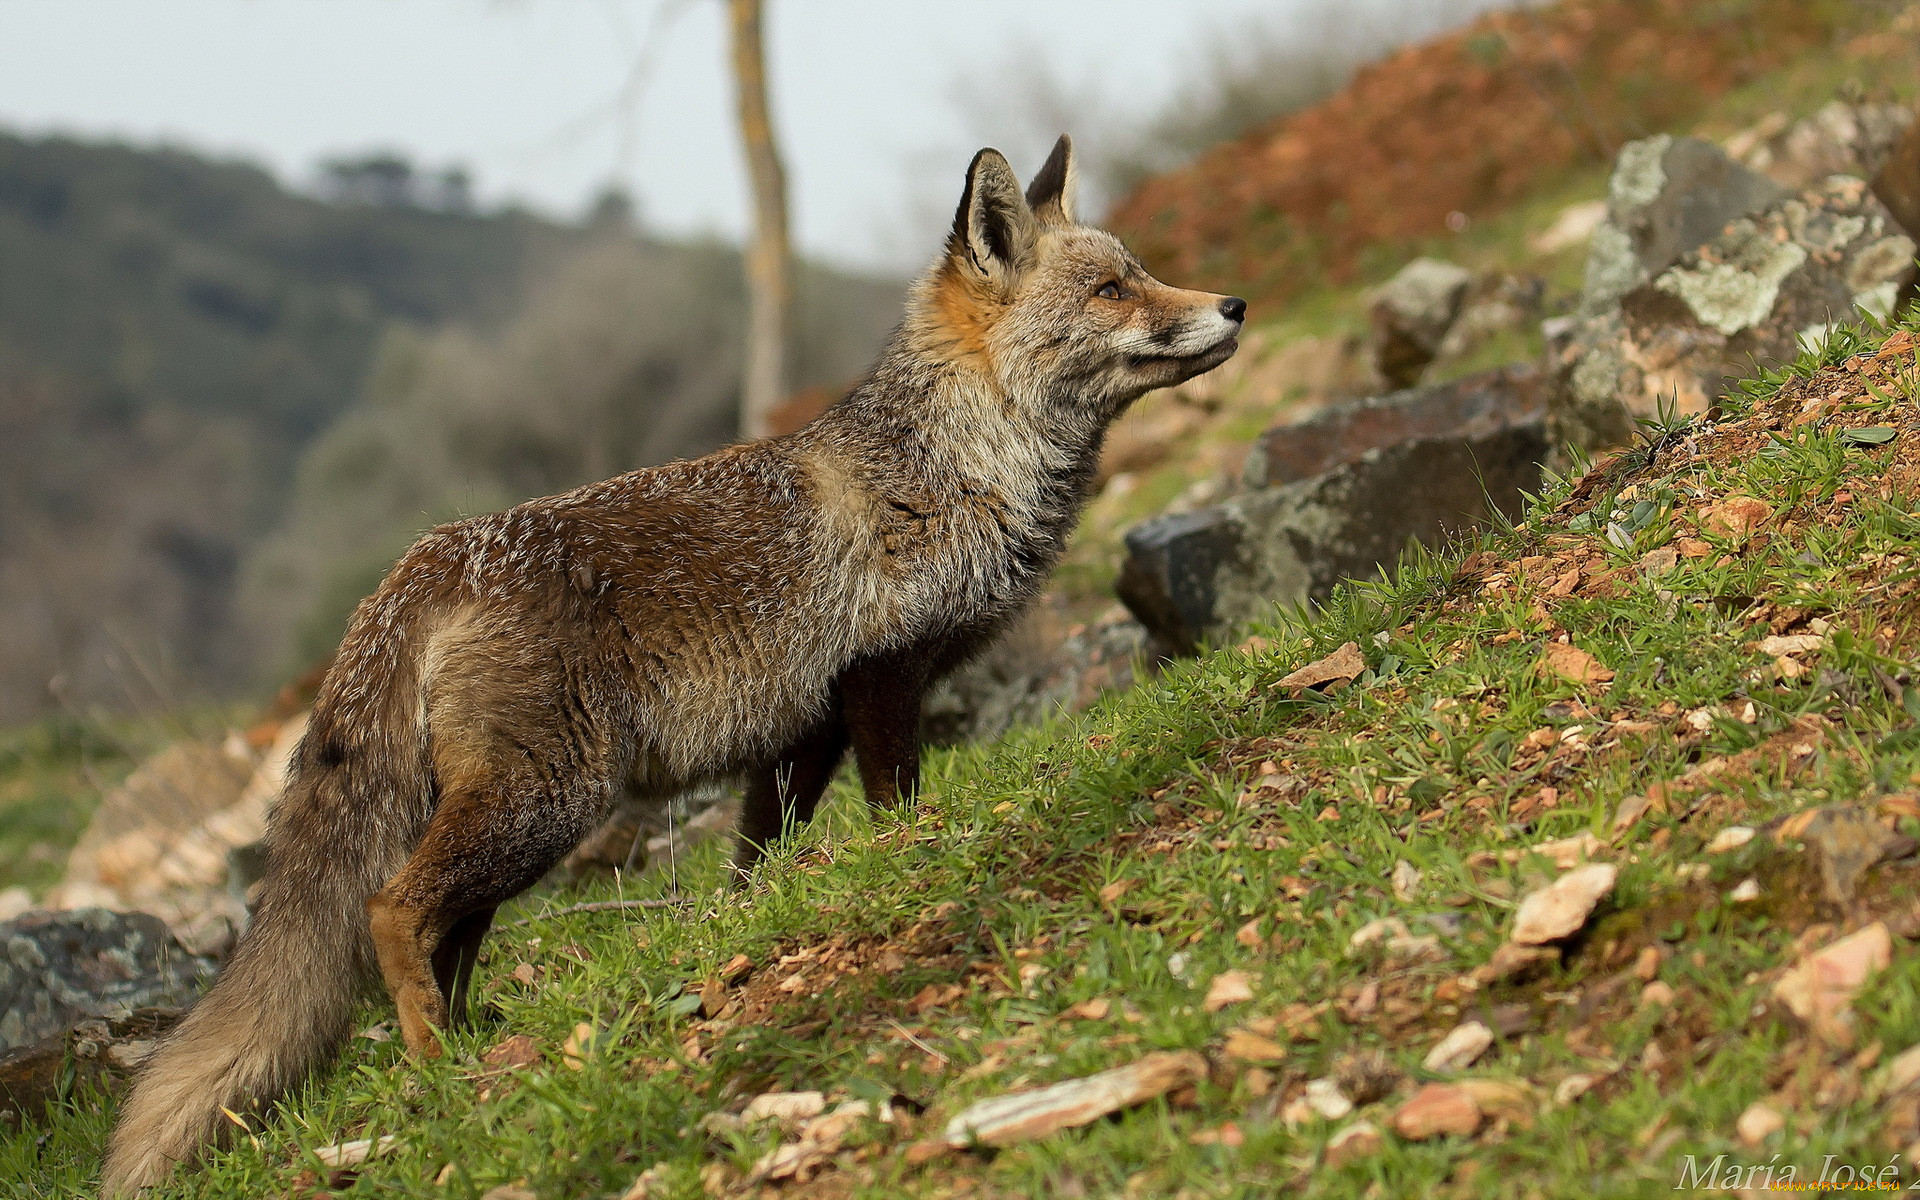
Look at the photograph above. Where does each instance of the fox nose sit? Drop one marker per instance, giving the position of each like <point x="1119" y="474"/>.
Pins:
<point x="1233" y="308"/>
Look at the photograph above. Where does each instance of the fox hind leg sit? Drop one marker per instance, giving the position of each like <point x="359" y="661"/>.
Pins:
<point x="481" y="848"/>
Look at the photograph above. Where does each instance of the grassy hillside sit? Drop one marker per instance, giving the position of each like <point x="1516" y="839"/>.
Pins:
<point x="1187" y="868"/>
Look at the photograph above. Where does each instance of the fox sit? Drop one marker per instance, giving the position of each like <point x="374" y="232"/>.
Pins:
<point x="745" y="617"/>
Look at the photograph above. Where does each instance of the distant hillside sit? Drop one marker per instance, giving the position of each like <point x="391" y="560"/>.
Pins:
<point x="175" y="333"/>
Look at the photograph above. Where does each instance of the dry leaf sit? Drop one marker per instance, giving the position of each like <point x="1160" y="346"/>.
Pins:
<point x="738" y="967"/>
<point x="1345" y="663"/>
<point x="1573" y="664"/>
<point x="1228" y="987"/>
<point x="1027" y="1116"/>
<point x="1250" y="1047"/>
<point x="1358" y="1140"/>
<point x="517" y="1051"/>
<point x="352" y="1154"/>
<point x="1563" y="907"/>
<point x="1115" y="890"/>
<point x="651" y="1185"/>
<point x="1091" y="1010"/>
<point x="579" y="1045"/>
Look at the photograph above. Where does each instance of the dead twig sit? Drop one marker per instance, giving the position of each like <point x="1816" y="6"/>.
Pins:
<point x="598" y="906"/>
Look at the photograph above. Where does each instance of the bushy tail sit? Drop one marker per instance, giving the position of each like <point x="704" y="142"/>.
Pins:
<point x="285" y="1001"/>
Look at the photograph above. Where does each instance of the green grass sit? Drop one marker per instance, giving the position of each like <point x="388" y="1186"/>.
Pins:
<point x="999" y="881"/>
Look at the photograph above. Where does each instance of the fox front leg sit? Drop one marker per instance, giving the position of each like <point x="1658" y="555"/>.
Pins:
<point x="880" y="699"/>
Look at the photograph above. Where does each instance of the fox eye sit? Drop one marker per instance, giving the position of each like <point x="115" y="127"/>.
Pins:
<point x="1110" y="290"/>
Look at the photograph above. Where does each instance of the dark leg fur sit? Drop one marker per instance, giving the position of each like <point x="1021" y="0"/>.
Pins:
<point x="480" y="849"/>
<point x="453" y="961"/>
<point x="782" y="797"/>
<point x="881" y="700"/>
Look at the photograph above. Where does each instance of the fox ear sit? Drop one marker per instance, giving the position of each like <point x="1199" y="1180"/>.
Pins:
<point x="1050" y="195"/>
<point x="994" y="229"/>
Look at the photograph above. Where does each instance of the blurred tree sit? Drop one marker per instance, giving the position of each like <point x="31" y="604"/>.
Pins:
<point x="769" y="253"/>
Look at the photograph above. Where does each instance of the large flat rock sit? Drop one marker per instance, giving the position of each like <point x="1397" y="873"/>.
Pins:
<point x="1192" y="576"/>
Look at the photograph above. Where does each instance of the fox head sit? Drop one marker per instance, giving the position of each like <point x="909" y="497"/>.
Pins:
<point x="1061" y="313"/>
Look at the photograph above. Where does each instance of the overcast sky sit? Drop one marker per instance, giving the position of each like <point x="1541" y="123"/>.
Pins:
<point x="528" y="93"/>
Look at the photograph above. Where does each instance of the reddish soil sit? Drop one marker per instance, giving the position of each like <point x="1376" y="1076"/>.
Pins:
<point x="1466" y="123"/>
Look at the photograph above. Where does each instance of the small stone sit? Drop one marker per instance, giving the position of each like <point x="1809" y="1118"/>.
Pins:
<point x="1509" y="960"/>
<point x="1660" y="561"/>
<point x="14" y="901"/>
<point x="1798" y="643"/>
<point x="1026" y="1116"/>
<point x="1406" y="880"/>
<point x="785" y="1106"/>
<point x="1458" y="1050"/>
<point x="1736" y="516"/>
<point x="1746" y="893"/>
<point x="1325" y="1098"/>
<point x="1362" y="1139"/>
<point x="1573" y="664"/>
<point x="1656" y="993"/>
<point x="1572" y="1088"/>
<point x="1376" y="930"/>
<point x="1902" y="1072"/>
<point x="1819" y="989"/>
<point x="1561" y="908"/>
<point x="1436" y="1110"/>
<point x="1731" y="838"/>
<point x="1758" y="1123"/>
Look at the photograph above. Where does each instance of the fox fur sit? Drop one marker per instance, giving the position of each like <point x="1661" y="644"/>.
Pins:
<point x="748" y="615"/>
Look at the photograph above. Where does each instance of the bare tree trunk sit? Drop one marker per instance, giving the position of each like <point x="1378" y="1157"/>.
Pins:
<point x="769" y="258"/>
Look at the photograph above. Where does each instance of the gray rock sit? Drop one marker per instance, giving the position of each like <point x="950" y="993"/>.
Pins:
<point x="1470" y="407"/>
<point x="1897" y="183"/>
<point x="1757" y="291"/>
<point x="1841" y="139"/>
<point x="1411" y="315"/>
<point x="60" y="968"/>
<point x="1667" y="196"/>
<point x="1194" y="576"/>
